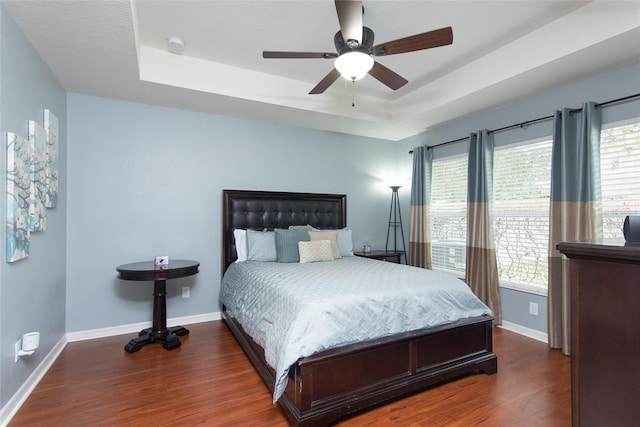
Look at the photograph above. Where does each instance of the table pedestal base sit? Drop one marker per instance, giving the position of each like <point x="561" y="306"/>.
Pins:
<point x="158" y="332"/>
<point x="168" y="338"/>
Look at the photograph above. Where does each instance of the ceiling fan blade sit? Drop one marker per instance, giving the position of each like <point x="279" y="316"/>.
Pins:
<point x="388" y="77"/>
<point x="290" y="55"/>
<point x="325" y="82"/>
<point x="428" y="40"/>
<point x="350" y="18"/>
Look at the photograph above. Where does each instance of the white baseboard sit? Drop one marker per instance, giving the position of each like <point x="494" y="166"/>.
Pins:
<point x="13" y="405"/>
<point x="9" y="410"/>
<point x="527" y="332"/>
<point x="136" y="327"/>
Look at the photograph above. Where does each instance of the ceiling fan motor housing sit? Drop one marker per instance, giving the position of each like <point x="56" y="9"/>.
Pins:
<point x="365" y="46"/>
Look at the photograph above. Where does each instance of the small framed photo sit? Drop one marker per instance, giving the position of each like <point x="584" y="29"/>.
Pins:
<point x="161" y="262"/>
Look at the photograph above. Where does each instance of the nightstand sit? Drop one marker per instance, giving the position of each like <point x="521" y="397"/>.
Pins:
<point x="147" y="271"/>
<point x="389" y="256"/>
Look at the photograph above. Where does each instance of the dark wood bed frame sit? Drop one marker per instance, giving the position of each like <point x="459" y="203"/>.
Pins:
<point x="331" y="384"/>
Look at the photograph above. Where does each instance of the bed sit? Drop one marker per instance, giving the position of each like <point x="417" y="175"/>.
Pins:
<point x="327" y="385"/>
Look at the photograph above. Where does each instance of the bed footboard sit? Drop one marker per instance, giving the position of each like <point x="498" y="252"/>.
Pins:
<point x="329" y="385"/>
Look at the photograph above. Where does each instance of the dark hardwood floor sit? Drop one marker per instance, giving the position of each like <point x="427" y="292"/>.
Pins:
<point x="209" y="382"/>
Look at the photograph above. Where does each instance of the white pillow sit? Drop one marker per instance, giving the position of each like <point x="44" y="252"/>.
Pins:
<point x="315" y="251"/>
<point x="240" y="237"/>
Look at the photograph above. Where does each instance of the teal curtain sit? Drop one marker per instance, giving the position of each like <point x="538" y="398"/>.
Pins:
<point x="575" y="211"/>
<point x="420" y="210"/>
<point x="482" y="268"/>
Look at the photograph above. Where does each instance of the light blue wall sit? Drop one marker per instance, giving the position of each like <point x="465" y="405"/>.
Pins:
<point x="147" y="180"/>
<point x="601" y="88"/>
<point x="32" y="290"/>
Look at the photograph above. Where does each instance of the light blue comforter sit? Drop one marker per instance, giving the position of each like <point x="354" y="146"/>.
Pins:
<point x="295" y="310"/>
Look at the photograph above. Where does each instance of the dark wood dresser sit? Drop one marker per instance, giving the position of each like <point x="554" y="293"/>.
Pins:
<point x="605" y="334"/>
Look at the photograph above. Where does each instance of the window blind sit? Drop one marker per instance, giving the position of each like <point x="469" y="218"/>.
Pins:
<point x="620" y="175"/>
<point x="449" y="214"/>
<point x="522" y="180"/>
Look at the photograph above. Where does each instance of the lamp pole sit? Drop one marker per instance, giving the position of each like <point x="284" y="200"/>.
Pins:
<point x="395" y="219"/>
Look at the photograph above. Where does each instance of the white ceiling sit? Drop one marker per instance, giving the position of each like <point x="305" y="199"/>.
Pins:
<point x="502" y="51"/>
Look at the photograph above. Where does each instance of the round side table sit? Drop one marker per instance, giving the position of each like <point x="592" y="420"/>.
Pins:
<point x="147" y="271"/>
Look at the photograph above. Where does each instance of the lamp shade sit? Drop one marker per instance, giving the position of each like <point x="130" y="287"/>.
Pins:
<point x="354" y="65"/>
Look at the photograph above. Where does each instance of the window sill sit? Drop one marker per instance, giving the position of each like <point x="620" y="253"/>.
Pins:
<point x="524" y="288"/>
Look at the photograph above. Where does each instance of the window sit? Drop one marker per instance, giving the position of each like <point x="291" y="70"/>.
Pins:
<point x="521" y="202"/>
<point x="522" y="182"/>
<point x="620" y="174"/>
<point x="449" y="214"/>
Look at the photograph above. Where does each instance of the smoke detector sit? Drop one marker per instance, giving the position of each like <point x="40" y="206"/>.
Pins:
<point x="175" y="45"/>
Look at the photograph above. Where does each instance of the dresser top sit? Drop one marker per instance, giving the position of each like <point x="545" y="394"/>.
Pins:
<point x="629" y="251"/>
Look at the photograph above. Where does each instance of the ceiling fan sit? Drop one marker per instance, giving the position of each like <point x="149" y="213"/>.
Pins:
<point x="354" y="46"/>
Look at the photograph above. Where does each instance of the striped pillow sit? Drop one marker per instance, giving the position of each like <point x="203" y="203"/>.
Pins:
<point x="287" y="243"/>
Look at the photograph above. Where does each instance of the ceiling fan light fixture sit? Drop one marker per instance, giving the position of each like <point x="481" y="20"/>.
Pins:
<point x="354" y="65"/>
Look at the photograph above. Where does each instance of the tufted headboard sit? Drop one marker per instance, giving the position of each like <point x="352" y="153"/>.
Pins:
<point x="267" y="210"/>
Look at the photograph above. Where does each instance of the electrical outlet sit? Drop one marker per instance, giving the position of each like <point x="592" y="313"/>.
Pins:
<point x="533" y="308"/>
<point x="18" y="346"/>
<point x="186" y="292"/>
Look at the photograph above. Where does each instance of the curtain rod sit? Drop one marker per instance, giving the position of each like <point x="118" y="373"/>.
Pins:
<point x="541" y="119"/>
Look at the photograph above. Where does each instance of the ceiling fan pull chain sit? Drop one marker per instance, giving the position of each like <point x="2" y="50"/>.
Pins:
<point x="353" y="93"/>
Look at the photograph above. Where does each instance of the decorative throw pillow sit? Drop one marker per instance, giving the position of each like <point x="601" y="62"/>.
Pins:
<point x="240" y="237"/>
<point x="327" y="235"/>
<point x="306" y="227"/>
<point x="261" y="246"/>
<point x="287" y="243"/>
<point x="315" y="251"/>
<point x="345" y="241"/>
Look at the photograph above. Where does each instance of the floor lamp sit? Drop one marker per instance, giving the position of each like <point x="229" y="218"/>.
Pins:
<point x="395" y="220"/>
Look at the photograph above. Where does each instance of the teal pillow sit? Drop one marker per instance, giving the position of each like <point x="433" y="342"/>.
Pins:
<point x="306" y="227"/>
<point x="261" y="246"/>
<point x="287" y="243"/>
<point x="345" y="241"/>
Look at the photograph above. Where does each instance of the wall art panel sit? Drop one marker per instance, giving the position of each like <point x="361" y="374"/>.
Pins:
<point x="38" y="146"/>
<point x="18" y="196"/>
<point x="51" y="129"/>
